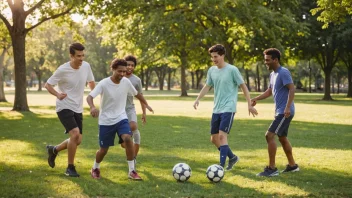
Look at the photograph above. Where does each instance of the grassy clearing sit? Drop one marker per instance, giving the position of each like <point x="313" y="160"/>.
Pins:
<point x="320" y="134"/>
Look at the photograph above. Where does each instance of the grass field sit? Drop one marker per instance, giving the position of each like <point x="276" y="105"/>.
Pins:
<point x="320" y="133"/>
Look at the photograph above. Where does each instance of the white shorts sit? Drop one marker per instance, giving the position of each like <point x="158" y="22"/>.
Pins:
<point x="131" y="115"/>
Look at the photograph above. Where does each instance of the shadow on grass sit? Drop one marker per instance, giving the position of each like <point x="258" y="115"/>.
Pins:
<point x="164" y="134"/>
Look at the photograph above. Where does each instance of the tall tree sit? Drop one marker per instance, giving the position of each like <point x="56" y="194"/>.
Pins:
<point x="24" y="20"/>
<point x="332" y="11"/>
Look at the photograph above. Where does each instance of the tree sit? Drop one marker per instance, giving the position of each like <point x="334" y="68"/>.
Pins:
<point x="5" y="45"/>
<point x="332" y="11"/>
<point x="23" y="21"/>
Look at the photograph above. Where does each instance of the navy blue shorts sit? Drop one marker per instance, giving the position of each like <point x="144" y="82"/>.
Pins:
<point x="280" y="125"/>
<point x="221" y="121"/>
<point x="107" y="133"/>
<point x="70" y="120"/>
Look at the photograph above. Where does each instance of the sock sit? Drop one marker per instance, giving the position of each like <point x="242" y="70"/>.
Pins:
<point x="230" y="154"/>
<point x="223" y="154"/>
<point x="55" y="151"/>
<point x="130" y="165"/>
<point x="96" y="165"/>
<point x="70" y="166"/>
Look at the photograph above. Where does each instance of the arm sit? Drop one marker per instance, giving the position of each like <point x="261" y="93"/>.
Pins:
<point x="93" y="111"/>
<point x="51" y="90"/>
<point x="251" y="109"/>
<point x="202" y="93"/>
<point x="291" y="95"/>
<point x="264" y="95"/>
<point x="144" y="115"/>
<point x="91" y="85"/>
<point x="144" y="102"/>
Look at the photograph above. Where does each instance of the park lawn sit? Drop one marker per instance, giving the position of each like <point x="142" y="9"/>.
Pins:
<point x="322" y="147"/>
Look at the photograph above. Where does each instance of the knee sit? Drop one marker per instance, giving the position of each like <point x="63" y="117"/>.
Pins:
<point x="75" y="136"/>
<point x="126" y="139"/>
<point x="269" y="136"/>
<point x="283" y="140"/>
<point x="133" y="126"/>
<point x="102" y="151"/>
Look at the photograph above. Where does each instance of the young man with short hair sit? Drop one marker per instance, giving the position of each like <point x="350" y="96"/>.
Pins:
<point x="283" y="91"/>
<point x="112" y="116"/>
<point x="71" y="79"/>
<point x="225" y="79"/>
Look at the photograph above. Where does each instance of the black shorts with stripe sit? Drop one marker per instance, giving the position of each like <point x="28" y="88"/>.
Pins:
<point x="280" y="125"/>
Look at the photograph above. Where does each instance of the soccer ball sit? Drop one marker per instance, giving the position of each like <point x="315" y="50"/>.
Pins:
<point x="181" y="172"/>
<point x="215" y="173"/>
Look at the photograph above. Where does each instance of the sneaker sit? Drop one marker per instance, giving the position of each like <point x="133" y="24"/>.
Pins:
<point x="71" y="171"/>
<point x="134" y="175"/>
<point x="51" y="155"/>
<point x="232" y="162"/>
<point x="269" y="172"/>
<point x="289" y="168"/>
<point x="95" y="173"/>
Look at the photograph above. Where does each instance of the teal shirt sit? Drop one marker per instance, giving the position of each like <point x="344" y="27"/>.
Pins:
<point x="225" y="82"/>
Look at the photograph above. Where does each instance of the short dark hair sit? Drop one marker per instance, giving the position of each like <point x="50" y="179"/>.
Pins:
<point x="76" y="46"/>
<point x="131" y="58"/>
<point x="220" y="49"/>
<point x="118" y="62"/>
<point x="273" y="52"/>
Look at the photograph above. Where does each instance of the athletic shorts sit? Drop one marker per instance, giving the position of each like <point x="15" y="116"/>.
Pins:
<point x="131" y="114"/>
<point x="107" y="133"/>
<point x="70" y="120"/>
<point x="221" y="121"/>
<point x="280" y="125"/>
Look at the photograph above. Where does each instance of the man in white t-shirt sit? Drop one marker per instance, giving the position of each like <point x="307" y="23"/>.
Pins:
<point x="112" y="115"/>
<point x="71" y="79"/>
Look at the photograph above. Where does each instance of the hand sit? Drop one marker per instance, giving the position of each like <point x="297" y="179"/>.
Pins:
<point x="252" y="110"/>
<point x="149" y="108"/>
<point x="61" y="96"/>
<point x="287" y="112"/>
<point x="94" y="112"/>
<point x="196" y="103"/>
<point x="144" y="118"/>
<point x="253" y="102"/>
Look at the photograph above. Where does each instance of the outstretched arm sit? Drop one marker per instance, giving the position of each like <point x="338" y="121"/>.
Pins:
<point x="144" y="115"/>
<point x="251" y="109"/>
<point x="202" y="93"/>
<point x="264" y="95"/>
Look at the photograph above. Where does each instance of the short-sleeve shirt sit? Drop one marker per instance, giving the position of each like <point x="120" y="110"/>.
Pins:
<point x="72" y="82"/>
<point x="225" y="82"/>
<point x="137" y="84"/>
<point x="278" y="81"/>
<point x="113" y="99"/>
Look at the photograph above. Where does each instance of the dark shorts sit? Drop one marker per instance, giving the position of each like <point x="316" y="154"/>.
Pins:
<point x="70" y="119"/>
<point x="280" y="125"/>
<point x="107" y="133"/>
<point x="221" y="121"/>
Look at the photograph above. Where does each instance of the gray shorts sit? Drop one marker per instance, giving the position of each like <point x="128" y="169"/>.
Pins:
<point x="131" y="115"/>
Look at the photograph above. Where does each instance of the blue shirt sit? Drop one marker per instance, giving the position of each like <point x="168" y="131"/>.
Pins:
<point x="225" y="82"/>
<point x="278" y="81"/>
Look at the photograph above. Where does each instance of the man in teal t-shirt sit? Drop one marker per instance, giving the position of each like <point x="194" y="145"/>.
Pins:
<point x="225" y="79"/>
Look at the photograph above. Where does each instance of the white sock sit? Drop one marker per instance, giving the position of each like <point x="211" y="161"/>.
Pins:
<point x="96" y="165"/>
<point x="130" y="165"/>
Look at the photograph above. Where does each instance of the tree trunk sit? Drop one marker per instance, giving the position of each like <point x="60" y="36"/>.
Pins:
<point x="142" y="76"/>
<point x="184" y="64"/>
<point x="310" y="77"/>
<point x="39" y="76"/>
<point x="247" y="79"/>
<point x="265" y="82"/>
<point x="349" y="92"/>
<point x="169" y="79"/>
<point x="199" y="77"/>
<point x="258" y="77"/>
<point x="327" y="88"/>
<point x="2" y="66"/>
<point x="18" y="44"/>
<point x="192" y="76"/>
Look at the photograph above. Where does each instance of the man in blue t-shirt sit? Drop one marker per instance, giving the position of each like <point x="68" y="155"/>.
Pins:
<point x="283" y="91"/>
<point x="225" y="79"/>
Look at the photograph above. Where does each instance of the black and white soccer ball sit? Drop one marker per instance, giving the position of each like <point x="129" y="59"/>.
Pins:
<point x="215" y="173"/>
<point x="181" y="172"/>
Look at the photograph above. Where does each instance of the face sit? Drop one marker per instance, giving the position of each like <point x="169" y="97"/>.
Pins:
<point x="119" y="73"/>
<point x="77" y="58"/>
<point x="130" y="67"/>
<point x="269" y="62"/>
<point x="217" y="59"/>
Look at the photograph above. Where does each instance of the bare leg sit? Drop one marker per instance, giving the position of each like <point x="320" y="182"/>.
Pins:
<point x="270" y="139"/>
<point x="101" y="154"/>
<point x="74" y="140"/>
<point x="286" y="145"/>
<point x="128" y="146"/>
<point x="215" y="139"/>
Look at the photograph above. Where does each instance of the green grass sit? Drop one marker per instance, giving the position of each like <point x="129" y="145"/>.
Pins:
<point x="321" y="142"/>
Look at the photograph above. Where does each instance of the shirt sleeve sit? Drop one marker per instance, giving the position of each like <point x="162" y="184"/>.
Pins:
<point x="209" y="81"/>
<point x="131" y="90"/>
<point x="97" y="90"/>
<point x="237" y="76"/>
<point x="55" y="78"/>
<point x="139" y="86"/>
<point x="286" y="78"/>
<point x="90" y="76"/>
